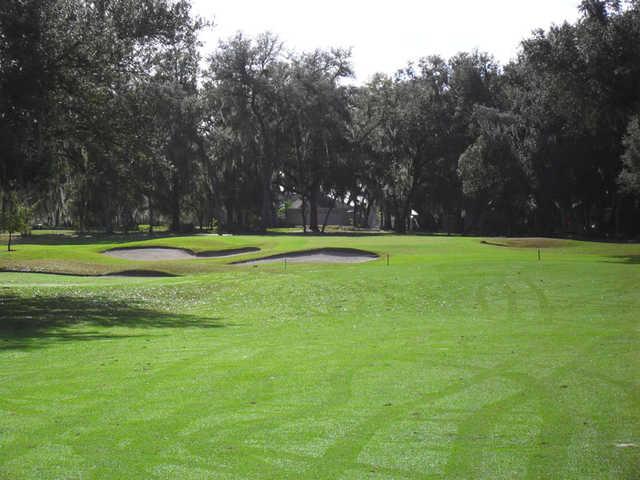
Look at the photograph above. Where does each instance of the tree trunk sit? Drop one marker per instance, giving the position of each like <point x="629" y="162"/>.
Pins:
<point x="401" y="218"/>
<point x="108" y="224"/>
<point x="175" y="212"/>
<point x="175" y="217"/>
<point x="83" y="215"/>
<point x="303" y="212"/>
<point x="9" y="243"/>
<point x="313" y="203"/>
<point x="267" y="198"/>
<point x="354" y="220"/>
<point x="586" y="227"/>
<point x="229" y="216"/>
<point x="201" y="216"/>
<point x="367" y="215"/>
<point x="175" y="206"/>
<point x="616" y="214"/>
<point x="387" y="223"/>
<point x="150" y="216"/>
<point x="326" y="218"/>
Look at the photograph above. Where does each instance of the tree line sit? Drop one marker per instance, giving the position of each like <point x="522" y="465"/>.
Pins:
<point x="110" y="117"/>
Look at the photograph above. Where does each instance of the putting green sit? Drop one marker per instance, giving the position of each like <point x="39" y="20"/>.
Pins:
<point x="457" y="360"/>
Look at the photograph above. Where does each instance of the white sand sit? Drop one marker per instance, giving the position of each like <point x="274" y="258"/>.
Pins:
<point x="150" y="254"/>
<point x="160" y="253"/>
<point x="327" y="255"/>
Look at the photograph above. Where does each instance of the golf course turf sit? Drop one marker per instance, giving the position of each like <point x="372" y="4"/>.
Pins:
<point x="459" y="359"/>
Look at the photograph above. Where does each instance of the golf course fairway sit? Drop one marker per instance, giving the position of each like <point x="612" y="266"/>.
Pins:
<point x="446" y="357"/>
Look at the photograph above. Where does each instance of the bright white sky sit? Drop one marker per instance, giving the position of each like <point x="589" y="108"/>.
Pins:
<point x="385" y="35"/>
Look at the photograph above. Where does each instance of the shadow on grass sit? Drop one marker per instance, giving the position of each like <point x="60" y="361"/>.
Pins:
<point x="97" y="238"/>
<point x="353" y="234"/>
<point x="626" y="259"/>
<point x="32" y="322"/>
<point x="91" y="238"/>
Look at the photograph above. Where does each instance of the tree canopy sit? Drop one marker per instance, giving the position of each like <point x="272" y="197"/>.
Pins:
<point x="111" y="117"/>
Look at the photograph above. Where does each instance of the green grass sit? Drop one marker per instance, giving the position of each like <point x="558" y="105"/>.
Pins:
<point x="459" y="360"/>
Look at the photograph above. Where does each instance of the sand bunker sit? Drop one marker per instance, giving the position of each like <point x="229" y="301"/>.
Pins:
<point x="321" y="255"/>
<point x="168" y="253"/>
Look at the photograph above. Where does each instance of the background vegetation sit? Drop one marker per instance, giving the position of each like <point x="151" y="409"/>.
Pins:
<point x="108" y="121"/>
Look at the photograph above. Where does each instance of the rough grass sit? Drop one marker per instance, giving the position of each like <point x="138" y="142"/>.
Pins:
<point x="459" y="360"/>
